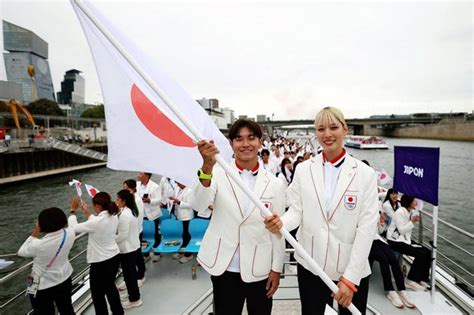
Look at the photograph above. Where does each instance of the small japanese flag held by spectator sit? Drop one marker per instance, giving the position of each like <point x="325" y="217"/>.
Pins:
<point x="78" y="184"/>
<point x="383" y="177"/>
<point x="91" y="190"/>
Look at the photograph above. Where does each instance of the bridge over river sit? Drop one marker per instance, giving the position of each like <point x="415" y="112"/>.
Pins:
<point x="359" y="126"/>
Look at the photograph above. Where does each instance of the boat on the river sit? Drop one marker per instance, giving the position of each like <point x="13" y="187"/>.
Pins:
<point x="175" y="288"/>
<point x="366" y="143"/>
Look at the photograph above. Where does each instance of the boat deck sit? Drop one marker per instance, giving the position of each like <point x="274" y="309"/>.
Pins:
<point x="170" y="290"/>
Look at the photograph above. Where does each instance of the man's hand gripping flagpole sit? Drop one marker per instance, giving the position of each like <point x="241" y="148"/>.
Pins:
<point x="197" y="135"/>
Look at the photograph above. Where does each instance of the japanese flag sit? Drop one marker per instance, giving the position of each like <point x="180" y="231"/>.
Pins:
<point x="78" y="185"/>
<point x="383" y="177"/>
<point x="143" y="134"/>
<point x="91" y="190"/>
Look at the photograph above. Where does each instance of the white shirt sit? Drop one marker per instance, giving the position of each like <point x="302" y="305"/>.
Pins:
<point x="102" y="231"/>
<point x="271" y="167"/>
<point x="42" y="250"/>
<point x="141" y="212"/>
<point x="401" y="227"/>
<point x="276" y="160"/>
<point x="184" y="211"/>
<point x="249" y="180"/>
<point x="127" y="232"/>
<point x="152" y="209"/>
<point x="332" y="169"/>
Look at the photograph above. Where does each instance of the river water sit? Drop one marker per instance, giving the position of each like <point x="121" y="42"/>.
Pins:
<point x="20" y="204"/>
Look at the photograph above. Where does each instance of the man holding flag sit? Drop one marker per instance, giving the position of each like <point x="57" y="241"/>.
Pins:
<point x="243" y="258"/>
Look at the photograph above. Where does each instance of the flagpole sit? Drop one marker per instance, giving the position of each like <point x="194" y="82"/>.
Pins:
<point x="298" y="248"/>
<point x="433" y="253"/>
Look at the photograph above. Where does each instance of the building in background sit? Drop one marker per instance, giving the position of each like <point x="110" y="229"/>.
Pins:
<point x="261" y="118"/>
<point x="26" y="63"/>
<point x="222" y="117"/>
<point x="72" y="88"/>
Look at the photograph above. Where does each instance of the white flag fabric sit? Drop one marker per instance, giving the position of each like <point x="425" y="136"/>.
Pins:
<point x="383" y="177"/>
<point x="78" y="185"/>
<point x="143" y="134"/>
<point x="91" y="190"/>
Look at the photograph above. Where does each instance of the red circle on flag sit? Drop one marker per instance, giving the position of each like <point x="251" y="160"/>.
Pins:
<point x="157" y="122"/>
<point x="350" y="199"/>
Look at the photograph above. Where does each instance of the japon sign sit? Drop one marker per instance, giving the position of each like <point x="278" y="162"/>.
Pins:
<point x="417" y="172"/>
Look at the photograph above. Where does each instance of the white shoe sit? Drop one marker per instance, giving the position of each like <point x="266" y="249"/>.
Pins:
<point x="128" y="304"/>
<point x="122" y="286"/>
<point x="140" y="282"/>
<point x="293" y="269"/>
<point x="178" y="255"/>
<point x="124" y="298"/>
<point x="156" y="258"/>
<point x="185" y="259"/>
<point x="393" y="297"/>
<point x="415" y="286"/>
<point x="405" y="299"/>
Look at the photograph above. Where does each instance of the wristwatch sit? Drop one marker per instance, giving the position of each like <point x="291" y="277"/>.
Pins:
<point x="202" y="175"/>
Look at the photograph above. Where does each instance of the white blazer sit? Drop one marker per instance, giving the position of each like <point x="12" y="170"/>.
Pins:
<point x="340" y="241"/>
<point x="260" y="250"/>
<point x="152" y="209"/>
<point x="127" y="232"/>
<point x="401" y="227"/>
<point x="184" y="211"/>
<point x="388" y="209"/>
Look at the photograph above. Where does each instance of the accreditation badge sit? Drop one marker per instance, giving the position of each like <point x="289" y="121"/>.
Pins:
<point x="350" y="202"/>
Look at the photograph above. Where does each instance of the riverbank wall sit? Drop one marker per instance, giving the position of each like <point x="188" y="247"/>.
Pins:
<point x="33" y="163"/>
<point x="445" y="130"/>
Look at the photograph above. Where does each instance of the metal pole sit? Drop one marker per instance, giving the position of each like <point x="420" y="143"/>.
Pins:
<point x="433" y="253"/>
<point x="197" y="135"/>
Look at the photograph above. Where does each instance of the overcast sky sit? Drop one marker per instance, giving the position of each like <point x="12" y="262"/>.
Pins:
<point x="283" y="57"/>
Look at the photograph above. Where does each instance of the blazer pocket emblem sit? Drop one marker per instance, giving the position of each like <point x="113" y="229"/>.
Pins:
<point x="350" y="202"/>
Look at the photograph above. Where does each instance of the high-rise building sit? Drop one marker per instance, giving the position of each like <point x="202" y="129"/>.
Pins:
<point x="26" y="62"/>
<point x="72" y="88"/>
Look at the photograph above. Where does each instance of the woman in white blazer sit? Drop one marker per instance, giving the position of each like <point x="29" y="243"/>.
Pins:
<point x="390" y="205"/>
<point x="131" y="186"/>
<point x="286" y="172"/>
<point x="333" y="200"/>
<point x="128" y="243"/>
<point x="399" y="239"/>
<point x="51" y="273"/>
<point x="102" y="250"/>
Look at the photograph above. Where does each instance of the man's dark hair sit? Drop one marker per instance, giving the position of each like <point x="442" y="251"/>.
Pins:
<point x="148" y="174"/>
<point x="52" y="220"/>
<point x="265" y="152"/>
<point x="244" y="123"/>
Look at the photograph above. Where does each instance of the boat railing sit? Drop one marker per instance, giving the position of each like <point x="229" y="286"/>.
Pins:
<point x="459" y="272"/>
<point x="20" y="272"/>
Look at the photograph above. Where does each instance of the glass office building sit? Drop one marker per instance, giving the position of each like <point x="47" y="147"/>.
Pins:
<point x="72" y="88"/>
<point x="26" y="49"/>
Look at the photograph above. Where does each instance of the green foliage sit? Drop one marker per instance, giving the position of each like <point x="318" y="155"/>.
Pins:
<point x="44" y="107"/>
<point x="94" y="112"/>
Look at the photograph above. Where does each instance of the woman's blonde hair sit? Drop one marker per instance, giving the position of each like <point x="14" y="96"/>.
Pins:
<point x="328" y="115"/>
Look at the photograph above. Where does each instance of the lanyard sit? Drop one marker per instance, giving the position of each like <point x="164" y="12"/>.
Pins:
<point x="51" y="262"/>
